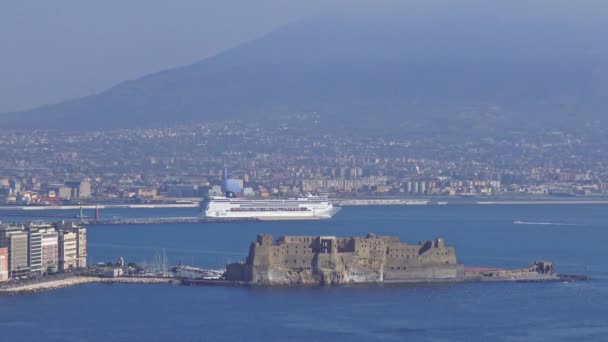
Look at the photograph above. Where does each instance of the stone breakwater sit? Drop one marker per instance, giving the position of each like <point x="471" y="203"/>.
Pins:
<point x="80" y="280"/>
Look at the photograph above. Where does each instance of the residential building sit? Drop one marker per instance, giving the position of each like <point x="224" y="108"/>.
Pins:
<point x="79" y="189"/>
<point x="3" y="264"/>
<point x="34" y="250"/>
<point x="68" y="250"/>
<point x="50" y="250"/>
<point x="72" y="246"/>
<point x="15" y="239"/>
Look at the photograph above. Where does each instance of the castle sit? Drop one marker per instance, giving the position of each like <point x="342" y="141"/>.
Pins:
<point x="311" y="260"/>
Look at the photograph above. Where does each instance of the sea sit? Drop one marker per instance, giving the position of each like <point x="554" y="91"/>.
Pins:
<point x="575" y="237"/>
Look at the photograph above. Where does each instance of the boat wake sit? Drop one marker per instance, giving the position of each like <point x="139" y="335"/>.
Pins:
<point x="546" y="223"/>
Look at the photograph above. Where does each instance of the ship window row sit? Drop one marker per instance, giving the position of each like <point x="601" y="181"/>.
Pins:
<point x="268" y="202"/>
<point x="269" y="206"/>
<point x="267" y="209"/>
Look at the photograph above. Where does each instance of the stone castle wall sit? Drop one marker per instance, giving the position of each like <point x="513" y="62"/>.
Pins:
<point x="329" y="260"/>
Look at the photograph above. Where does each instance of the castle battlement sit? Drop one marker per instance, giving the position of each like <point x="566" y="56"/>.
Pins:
<point x="330" y="259"/>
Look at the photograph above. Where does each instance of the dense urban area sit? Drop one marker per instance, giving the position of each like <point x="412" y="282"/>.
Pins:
<point x="291" y="157"/>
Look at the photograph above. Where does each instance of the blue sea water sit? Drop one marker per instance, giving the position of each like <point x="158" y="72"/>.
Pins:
<point x="573" y="236"/>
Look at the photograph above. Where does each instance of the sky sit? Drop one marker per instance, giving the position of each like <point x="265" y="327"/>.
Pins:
<point x="52" y="51"/>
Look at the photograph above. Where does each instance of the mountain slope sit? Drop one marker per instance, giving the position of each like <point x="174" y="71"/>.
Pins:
<point x="420" y="65"/>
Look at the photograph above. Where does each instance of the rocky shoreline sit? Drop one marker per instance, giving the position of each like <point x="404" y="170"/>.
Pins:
<point x="80" y="280"/>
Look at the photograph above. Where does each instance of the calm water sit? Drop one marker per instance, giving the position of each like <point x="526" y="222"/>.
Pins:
<point x="574" y="237"/>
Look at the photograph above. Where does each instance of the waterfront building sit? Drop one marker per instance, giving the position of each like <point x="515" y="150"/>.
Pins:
<point x="81" y="246"/>
<point x="215" y="190"/>
<point x="34" y="250"/>
<point x="38" y="248"/>
<point x="79" y="189"/>
<point x="15" y="239"/>
<point x="422" y="187"/>
<point x="182" y="190"/>
<point x="59" y="190"/>
<point x="3" y="264"/>
<point x="50" y="250"/>
<point x="147" y="193"/>
<point x="15" y="186"/>
<point x="67" y="250"/>
<point x="76" y="258"/>
<point x="233" y="185"/>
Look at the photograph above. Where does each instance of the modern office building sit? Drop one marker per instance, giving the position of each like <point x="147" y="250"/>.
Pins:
<point x="79" y="238"/>
<point x="81" y="246"/>
<point x="422" y="187"/>
<point x="34" y="247"/>
<point x="3" y="264"/>
<point x="15" y="239"/>
<point x="50" y="251"/>
<point x="79" y="189"/>
<point x="68" y="250"/>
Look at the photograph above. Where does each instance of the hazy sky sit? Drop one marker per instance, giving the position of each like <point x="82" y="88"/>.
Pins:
<point x="60" y="49"/>
<point x="56" y="50"/>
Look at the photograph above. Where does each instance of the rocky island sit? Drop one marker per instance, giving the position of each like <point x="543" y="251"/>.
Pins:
<point x="329" y="260"/>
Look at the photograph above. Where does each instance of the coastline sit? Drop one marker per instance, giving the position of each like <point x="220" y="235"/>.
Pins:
<point x="428" y="201"/>
<point x="57" y="284"/>
<point x="543" y="202"/>
<point x="80" y="280"/>
<point x="342" y="202"/>
<point x="100" y="206"/>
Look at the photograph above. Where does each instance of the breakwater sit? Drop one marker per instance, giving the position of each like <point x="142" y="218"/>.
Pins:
<point x="165" y="220"/>
<point x="76" y="280"/>
<point x="544" y="202"/>
<point x="471" y="201"/>
<point x="371" y="202"/>
<point x="79" y="280"/>
<point x="101" y="206"/>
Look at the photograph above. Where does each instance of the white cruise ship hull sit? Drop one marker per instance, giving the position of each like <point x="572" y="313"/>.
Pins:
<point x="261" y="215"/>
<point x="301" y="209"/>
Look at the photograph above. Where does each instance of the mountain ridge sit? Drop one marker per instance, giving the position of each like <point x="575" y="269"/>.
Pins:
<point x="388" y="67"/>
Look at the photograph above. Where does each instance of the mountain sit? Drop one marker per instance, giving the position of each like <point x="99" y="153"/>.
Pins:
<point x="486" y="65"/>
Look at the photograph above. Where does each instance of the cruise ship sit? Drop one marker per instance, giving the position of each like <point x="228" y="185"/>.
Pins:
<point x="301" y="208"/>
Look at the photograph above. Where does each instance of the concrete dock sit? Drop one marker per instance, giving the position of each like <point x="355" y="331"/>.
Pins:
<point x="165" y="220"/>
